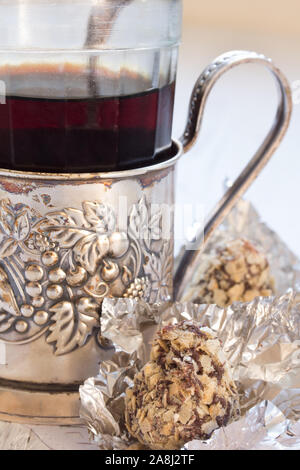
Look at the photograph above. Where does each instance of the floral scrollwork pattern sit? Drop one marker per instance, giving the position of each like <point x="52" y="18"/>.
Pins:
<point x="56" y="269"/>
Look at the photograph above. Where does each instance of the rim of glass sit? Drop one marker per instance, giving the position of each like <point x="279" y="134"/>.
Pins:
<point x="101" y="175"/>
<point x="89" y="51"/>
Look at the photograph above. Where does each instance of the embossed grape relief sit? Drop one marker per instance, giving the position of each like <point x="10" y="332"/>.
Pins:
<point x="56" y="269"/>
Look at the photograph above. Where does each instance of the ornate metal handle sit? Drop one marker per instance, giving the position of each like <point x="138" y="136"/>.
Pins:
<point x="199" y="97"/>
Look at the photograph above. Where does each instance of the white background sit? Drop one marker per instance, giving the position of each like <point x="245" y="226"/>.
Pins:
<point x="242" y="107"/>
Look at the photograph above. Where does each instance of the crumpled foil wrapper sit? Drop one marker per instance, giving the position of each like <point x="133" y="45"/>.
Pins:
<point x="264" y="427"/>
<point x="261" y="341"/>
<point x="244" y="222"/>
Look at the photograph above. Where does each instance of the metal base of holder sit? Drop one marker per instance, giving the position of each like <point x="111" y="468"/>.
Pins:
<point x="37" y="407"/>
<point x="67" y="251"/>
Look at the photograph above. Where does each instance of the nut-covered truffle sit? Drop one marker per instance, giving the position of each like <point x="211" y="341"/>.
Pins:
<point x="237" y="272"/>
<point x="184" y="392"/>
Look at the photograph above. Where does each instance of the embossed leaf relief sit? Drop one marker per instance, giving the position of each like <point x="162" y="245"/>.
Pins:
<point x="84" y="231"/>
<point x="56" y="269"/>
<point x="90" y="250"/>
<point x="72" y="324"/>
<point x="160" y="270"/>
<point x="8" y="305"/>
<point x="144" y="226"/>
<point x="100" y="216"/>
<point x="14" y="226"/>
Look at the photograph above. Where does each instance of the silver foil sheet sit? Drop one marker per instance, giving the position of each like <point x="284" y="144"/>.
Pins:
<point x="260" y="340"/>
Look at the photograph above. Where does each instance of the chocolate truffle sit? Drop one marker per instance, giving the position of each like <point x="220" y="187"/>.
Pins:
<point x="236" y="272"/>
<point x="184" y="392"/>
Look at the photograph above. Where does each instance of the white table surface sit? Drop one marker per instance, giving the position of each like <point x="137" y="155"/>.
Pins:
<point x="239" y="114"/>
<point x="26" y="437"/>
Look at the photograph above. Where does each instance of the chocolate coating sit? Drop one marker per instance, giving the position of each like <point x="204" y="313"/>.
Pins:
<point x="237" y="271"/>
<point x="184" y="392"/>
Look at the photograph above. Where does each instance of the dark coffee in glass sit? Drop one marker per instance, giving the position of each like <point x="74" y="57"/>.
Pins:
<point x="81" y="125"/>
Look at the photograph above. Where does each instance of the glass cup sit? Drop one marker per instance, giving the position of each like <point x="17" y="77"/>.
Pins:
<point x="89" y="85"/>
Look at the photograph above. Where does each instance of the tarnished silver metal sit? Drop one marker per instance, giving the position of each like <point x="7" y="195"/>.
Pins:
<point x="201" y="91"/>
<point x="63" y="248"/>
<point x="67" y="241"/>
